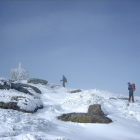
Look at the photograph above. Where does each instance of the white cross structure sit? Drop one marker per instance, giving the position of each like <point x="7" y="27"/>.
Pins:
<point x="19" y="74"/>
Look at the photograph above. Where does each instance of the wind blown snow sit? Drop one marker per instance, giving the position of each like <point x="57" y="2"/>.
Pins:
<point x="44" y="125"/>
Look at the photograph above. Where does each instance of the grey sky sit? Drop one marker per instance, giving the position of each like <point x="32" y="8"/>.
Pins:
<point x="95" y="44"/>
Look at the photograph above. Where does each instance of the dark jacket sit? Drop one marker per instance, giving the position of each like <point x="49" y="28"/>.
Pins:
<point x="130" y="88"/>
<point x="64" y="79"/>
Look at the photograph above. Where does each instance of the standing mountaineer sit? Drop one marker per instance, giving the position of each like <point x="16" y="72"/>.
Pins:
<point x="131" y="88"/>
<point x="64" y="80"/>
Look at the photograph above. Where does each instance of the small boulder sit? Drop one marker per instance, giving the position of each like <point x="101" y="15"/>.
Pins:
<point x="75" y="91"/>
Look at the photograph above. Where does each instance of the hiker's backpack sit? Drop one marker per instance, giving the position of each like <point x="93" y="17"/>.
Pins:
<point x="133" y="85"/>
<point x="65" y="80"/>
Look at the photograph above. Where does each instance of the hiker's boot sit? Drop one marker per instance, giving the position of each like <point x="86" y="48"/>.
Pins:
<point x="133" y="99"/>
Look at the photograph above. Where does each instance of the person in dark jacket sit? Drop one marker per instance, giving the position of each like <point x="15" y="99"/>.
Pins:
<point x="131" y="90"/>
<point x="64" y="80"/>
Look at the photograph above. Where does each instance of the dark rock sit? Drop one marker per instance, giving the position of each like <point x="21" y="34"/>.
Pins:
<point x="34" y="88"/>
<point x="7" y="84"/>
<point x="5" y="87"/>
<point x="95" y="109"/>
<point x="10" y="105"/>
<point x="112" y="98"/>
<point x="94" y="115"/>
<point x="84" y="118"/>
<point x="17" y="86"/>
<point x="75" y="91"/>
<point x="119" y="98"/>
<point x="37" y="81"/>
<point x="22" y="88"/>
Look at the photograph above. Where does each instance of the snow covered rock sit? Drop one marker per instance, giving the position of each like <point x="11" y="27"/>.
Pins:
<point x="5" y="84"/>
<point x="27" y="104"/>
<point x="23" y="104"/>
<point x="22" y="88"/>
<point x="37" y="81"/>
<point x="13" y="99"/>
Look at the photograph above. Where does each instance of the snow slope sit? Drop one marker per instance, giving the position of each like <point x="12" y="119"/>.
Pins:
<point x="44" y="125"/>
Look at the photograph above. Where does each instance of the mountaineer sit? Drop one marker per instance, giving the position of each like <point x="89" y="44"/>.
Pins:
<point x="64" y="80"/>
<point x="131" y="88"/>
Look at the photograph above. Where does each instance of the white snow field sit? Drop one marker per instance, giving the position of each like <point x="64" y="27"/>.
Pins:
<point x="44" y="125"/>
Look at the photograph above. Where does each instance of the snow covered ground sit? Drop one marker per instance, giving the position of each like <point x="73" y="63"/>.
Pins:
<point x="44" y="125"/>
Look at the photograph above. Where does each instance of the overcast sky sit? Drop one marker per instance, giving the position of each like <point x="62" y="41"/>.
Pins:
<point x="94" y="43"/>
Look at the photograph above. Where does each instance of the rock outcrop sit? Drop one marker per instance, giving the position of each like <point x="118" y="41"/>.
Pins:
<point x="37" y="81"/>
<point x="94" y="115"/>
<point x="22" y="88"/>
<point x="84" y="118"/>
<point x="25" y="102"/>
<point x="10" y="84"/>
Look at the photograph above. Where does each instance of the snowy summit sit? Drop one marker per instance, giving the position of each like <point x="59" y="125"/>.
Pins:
<point x="38" y="106"/>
